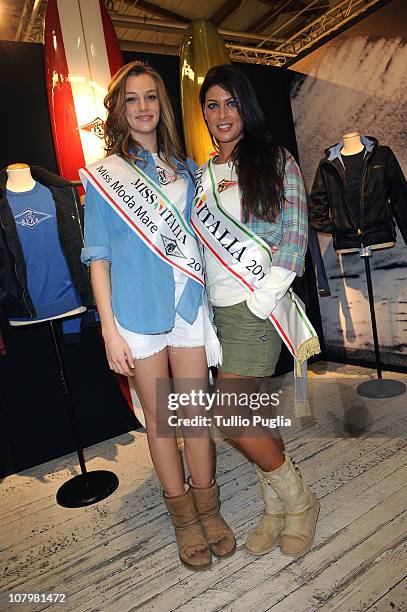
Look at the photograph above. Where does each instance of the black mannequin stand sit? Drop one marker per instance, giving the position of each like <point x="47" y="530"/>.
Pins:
<point x="379" y="388"/>
<point x="89" y="487"/>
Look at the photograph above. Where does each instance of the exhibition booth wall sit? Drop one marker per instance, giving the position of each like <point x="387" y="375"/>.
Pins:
<point x="358" y="81"/>
<point x="34" y="426"/>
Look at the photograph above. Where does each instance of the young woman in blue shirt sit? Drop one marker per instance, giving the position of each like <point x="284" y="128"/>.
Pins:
<point x="151" y="314"/>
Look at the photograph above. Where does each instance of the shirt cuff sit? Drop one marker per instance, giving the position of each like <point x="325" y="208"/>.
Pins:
<point x="90" y="254"/>
<point x="289" y="259"/>
<point x="262" y="301"/>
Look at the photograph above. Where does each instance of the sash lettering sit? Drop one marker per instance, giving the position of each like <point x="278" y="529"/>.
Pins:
<point x="143" y="206"/>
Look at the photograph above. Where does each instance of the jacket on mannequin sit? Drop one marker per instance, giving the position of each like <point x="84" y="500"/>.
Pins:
<point x="15" y="299"/>
<point x="383" y="198"/>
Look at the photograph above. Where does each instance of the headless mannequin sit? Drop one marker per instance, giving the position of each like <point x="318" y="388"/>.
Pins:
<point x="19" y="180"/>
<point x="352" y="145"/>
<point x="88" y="487"/>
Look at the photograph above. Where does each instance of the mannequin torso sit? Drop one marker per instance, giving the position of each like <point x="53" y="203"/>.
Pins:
<point x="20" y="180"/>
<point x="352" y="145"/>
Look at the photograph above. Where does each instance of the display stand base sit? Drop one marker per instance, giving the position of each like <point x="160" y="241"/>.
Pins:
<point x="381" y="388"/>
<point x="87" y="489"/>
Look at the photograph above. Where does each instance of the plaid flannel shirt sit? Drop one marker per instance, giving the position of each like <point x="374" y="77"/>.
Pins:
<point x="290" y="230"/>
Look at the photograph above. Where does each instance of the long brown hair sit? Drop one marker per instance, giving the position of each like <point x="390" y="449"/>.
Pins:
<point x="118" y="137"/>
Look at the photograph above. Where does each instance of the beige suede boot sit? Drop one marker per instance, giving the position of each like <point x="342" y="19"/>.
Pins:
<point x="192" y="545"/>
<point x="266" y="534"/>
<point x="301" y="507"/>
<point x="217" y="532"/>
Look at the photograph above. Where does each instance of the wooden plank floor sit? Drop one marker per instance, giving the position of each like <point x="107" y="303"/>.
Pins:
<point x="120" y="554"/>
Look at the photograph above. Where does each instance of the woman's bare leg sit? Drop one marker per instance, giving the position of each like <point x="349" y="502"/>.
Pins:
<point x="189" y="364"/>
<point x="164" y="450"/>
<point x="265" y="451"/>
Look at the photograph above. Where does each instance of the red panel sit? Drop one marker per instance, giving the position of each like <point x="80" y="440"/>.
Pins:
<point x="115" y="58"/>
<point x="114" y="54"/>
<point x="125" y="389"/>
<point x="67" y="141"/>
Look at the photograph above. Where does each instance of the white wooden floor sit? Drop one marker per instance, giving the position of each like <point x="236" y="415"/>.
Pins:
<point x="120" y="554"/>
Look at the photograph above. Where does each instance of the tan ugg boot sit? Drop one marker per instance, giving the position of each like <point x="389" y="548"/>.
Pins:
<point x="266" y="534"/>
<point x="217" y="532"/>
<point x="192" y="545"/>
<point x="301" y="507"/>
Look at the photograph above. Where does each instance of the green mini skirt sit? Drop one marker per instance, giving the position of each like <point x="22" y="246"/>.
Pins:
<point x="250" y="346"/>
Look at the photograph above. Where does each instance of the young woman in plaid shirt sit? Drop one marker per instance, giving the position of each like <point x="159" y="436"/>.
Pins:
<point x="259" y="185"/>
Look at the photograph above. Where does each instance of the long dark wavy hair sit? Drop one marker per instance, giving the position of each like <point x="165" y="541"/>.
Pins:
<point x="258" y="161"/>
<point x="117" y="132"/>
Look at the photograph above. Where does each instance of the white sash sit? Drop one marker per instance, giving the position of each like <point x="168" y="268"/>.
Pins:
<point x="152" y="216"/>
<point x="247" y="258"/>
<point x="139" y="201"/>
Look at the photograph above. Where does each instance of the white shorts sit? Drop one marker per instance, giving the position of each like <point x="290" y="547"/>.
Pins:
<point x="182" y="334"/>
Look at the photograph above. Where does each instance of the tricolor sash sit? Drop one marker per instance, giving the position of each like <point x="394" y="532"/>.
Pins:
<point x="145" y="208"/>
<point x="247" y="258"/>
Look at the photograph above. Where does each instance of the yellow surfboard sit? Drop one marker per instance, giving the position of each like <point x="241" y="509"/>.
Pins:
<point x="201" y="49"/>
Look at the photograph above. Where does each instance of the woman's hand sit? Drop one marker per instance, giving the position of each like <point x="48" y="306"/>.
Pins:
<point x="118" y="353"/>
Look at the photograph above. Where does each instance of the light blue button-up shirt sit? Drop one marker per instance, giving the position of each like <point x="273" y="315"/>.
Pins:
<point x="143" y="288"/>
